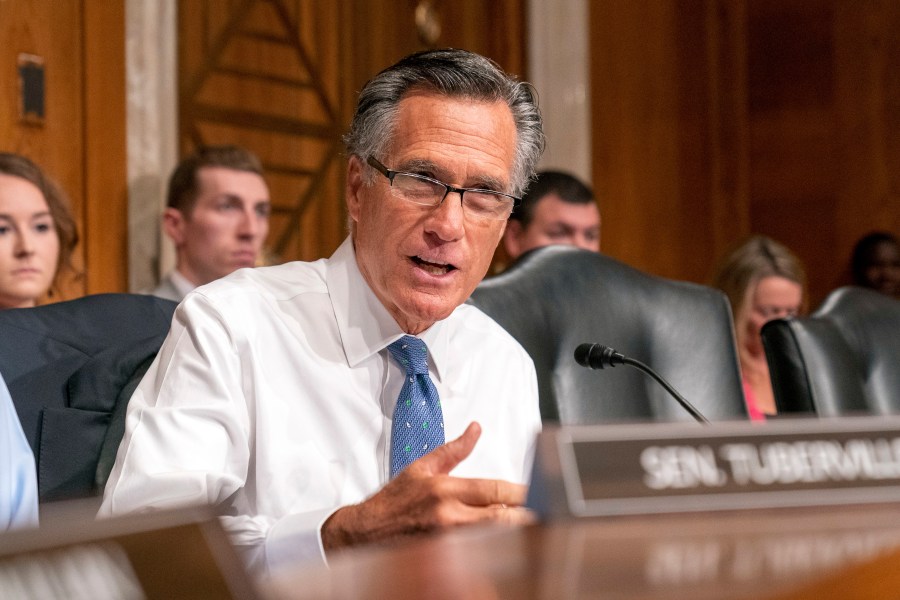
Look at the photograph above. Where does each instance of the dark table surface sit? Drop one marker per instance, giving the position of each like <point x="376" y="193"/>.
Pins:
<point x="799" y="553"/>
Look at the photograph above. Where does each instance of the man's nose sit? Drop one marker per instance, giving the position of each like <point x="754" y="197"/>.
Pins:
<point x="586" y="243"/>
<point x="447" y="221"/>
<point x="251" y="224"/>
<point x="781" y="313"/>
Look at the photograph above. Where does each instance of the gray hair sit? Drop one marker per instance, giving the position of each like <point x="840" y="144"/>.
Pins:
<point x="453" y="73"/>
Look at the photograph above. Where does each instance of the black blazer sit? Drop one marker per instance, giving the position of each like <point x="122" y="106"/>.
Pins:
<point x="71" y="368"/>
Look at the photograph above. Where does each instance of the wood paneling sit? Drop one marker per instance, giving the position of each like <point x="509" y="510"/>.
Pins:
<point x="105" y="160"/>
<point x="281" y="77"/>
<point x="667" y="145"/>
<point x="712" y="119"/>
<point x="262" y="75"/>
<point x="823" y="152"/>
<point x="715" y="119"/>
<point x="81" y="143"/>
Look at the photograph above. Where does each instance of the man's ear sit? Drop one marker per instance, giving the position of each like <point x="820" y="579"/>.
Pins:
<point x="599" y="230"/>
<point x="355" y="182"/>
<point x="512" y="238"/>
<point x="174" y="224"/>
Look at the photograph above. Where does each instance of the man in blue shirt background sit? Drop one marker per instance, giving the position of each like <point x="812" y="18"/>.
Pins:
<point x="18" y="481"/>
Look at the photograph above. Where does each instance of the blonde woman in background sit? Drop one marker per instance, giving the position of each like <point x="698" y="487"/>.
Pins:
<point x="37" y="232"/>
<point x="763" y="281"/>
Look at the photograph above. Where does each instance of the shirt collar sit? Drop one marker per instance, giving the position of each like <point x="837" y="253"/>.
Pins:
<point x="365" y="325"/>
<point x="181" y="283"/>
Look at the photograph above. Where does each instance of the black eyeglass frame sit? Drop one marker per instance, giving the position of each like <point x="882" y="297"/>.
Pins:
<point x="390" y="174"/>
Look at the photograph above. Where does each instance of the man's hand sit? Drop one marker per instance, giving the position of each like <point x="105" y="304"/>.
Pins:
<point x="425" y="498"/>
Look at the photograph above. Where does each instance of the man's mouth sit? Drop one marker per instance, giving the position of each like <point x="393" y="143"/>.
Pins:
<point x="244" y="256"/>
<point x="433" y="268"/>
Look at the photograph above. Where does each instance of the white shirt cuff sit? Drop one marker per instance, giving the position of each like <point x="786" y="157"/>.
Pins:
<point x="296" y="539"/>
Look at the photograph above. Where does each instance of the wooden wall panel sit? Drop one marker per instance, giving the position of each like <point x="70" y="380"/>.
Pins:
<point x="791" y="108"/>
<point x="821" y="137"/>
<point x="715" y="119"/>
<point x="259" y="74"/>
<point x="105" y="160"/>
<point x="867" y="106"/>
<point x="281" y="78"/>
<point x="667" y="146"/>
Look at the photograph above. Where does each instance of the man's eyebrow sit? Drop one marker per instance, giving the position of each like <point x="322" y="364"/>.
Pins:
<point x="420" y="164"/>
<point x="228" y="196"/>
<point x="492" y="183"/>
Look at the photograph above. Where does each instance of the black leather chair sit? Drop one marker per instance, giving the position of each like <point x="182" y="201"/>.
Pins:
<point x="71" y="368"/>
<point x="843" y="359"/>
<point x="557" y="297"/>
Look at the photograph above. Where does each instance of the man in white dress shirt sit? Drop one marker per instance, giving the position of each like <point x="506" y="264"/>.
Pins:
<point x="217" y="217"/>
<point x="274" y="394"/>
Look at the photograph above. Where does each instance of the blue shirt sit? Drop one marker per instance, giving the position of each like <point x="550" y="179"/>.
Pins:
<point x="18" y="481"/>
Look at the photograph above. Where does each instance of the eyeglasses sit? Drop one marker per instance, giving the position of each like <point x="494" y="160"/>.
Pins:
<point x="426" y="191"/>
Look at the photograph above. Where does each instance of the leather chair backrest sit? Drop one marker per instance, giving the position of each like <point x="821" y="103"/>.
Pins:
<point x="66" y="366"/>
<point x="557" y="297"/>
<point x="843" y="359"/>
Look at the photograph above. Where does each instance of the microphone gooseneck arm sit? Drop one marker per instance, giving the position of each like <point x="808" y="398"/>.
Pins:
<point x="598" y="356"/>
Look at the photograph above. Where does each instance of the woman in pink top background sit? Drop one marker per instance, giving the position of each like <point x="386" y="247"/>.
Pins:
<point x="763" y="281"/>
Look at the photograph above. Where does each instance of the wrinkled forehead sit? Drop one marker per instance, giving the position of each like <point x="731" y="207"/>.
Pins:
<point x="475" y="134"/>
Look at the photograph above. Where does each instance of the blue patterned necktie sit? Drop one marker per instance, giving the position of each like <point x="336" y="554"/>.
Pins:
<point x="418" y="421"/>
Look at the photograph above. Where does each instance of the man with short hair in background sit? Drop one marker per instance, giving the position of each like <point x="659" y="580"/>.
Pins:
<point x="557" y="209"/>
<point x="217" y="217"/>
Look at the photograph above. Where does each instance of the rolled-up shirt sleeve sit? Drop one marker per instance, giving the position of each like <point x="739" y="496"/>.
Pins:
<point x="189" y="440"/>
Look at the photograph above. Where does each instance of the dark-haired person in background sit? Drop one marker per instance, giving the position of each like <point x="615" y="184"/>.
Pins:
<point x="875" y="263"/>
<point x="217" y="216"/>
<point x="557" y="209"/>
<point x="358" y="398"/>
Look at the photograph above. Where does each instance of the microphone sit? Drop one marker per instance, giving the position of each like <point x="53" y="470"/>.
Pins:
<point x="598" y="356"/>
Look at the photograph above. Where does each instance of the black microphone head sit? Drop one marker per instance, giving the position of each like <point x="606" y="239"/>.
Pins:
<point x="582" y="354"/>
<point x="597" y="356"/>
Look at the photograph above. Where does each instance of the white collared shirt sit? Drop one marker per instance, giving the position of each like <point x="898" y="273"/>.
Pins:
<point x="182" y="284"/>
<point x="273" y="396"/>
